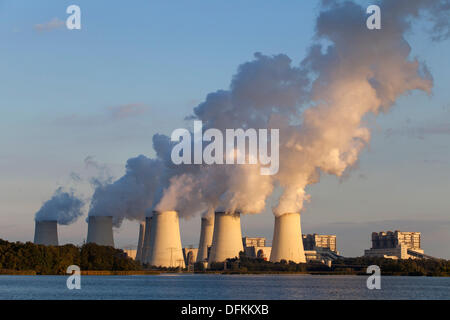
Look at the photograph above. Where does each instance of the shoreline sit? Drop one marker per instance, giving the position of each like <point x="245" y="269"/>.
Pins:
<point x="159" y="272"/>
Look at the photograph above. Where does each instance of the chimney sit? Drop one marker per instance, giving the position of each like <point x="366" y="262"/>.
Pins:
<point x="46" y="233"/>
<point x="165" y="240"/>
<point x="146" y="242"/>
<point x="287" y="241"/>
<point x="100" y="230"/>
<point x="140" y="241"/>
<point x="227" y="237"/>
<point x="206" y="236"/>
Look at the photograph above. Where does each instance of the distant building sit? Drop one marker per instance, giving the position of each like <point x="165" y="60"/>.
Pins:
<point x="320" y="247"/>
<point x="395" y="245"/>
<point x="256" y="248"/>
<point x="314" y="241"/>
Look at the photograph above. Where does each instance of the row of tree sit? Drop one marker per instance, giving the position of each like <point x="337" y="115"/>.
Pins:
<point x="410" y="267"/>
<point x="47" y="260"/>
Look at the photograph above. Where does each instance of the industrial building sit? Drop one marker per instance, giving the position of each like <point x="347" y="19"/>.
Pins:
<point x="396" y="245"/>
<point x="100" y="230"/>
<point x="165" y="241"/>
<point x="46" y="233"/>
<point x="287" y="244"/>
<point x="227" y="237"/>
<point x="190" y="256"/>
<point x="314" y="241"/>
<point x="206" y="238"/>
<point x="256" y="248"/>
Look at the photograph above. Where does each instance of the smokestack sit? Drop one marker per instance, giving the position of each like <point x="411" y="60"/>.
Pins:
<point x="46" y="233"/>
<point x="206" y="236"/>
<point x="227" y="237"/>
<point x="146" y="241"/>
<point x="140" y="241"/>
<point x="100" y="230"/>
<point x="165" y="240"/>
<point x="287" y="241"/>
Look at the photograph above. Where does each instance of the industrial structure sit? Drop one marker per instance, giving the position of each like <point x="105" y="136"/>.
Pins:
<point x="227" y="237"/>
<point x="396" y="245"/>
<point x="46" y="233"/>
<point x="100" y="230"/>
<point x="190" y="256"/>
<point x="145" y="255"/>
<point x="287" y="244"/>
<point x="314" y="241"/>
<point x="256" y="248"/>
<point x="165" y="240"/>
<point x="206" y="236"/>
<point x="140" y="241"/>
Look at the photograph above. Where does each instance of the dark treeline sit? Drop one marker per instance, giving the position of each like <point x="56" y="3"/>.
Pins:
<point x="410" y="267"/>
<point x="46" y="260"/>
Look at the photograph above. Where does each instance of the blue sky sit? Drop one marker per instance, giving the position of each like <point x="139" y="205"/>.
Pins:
<point x="137" y="69"/>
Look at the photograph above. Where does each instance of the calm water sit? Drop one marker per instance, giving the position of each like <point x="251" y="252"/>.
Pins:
<point x="186" y="286"/>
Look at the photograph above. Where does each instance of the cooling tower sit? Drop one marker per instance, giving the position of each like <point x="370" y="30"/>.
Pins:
<point x="140" y="241"/>
<point x="227" y="237"/>
<point x="165" y="240"/>
<point x="206" y="236"/>
<point x="100" y="230"/>
<point x="146" y="243"/>
<point x="46" y="233"/>
<point x="287" y="241"/>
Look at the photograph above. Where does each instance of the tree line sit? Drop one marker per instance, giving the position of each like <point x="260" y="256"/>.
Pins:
<point x="47" y="260"/>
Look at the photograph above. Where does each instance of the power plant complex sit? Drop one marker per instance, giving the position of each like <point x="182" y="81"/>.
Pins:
<point x="159" y="241"/>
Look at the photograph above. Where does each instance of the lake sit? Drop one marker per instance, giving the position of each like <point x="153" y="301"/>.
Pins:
<point x="216" y="286"/>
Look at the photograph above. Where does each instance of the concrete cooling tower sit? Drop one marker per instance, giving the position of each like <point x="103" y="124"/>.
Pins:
<point x="227" y="237"/>
<point x="165" y="240"/>
<point x="146" y="241"/>
<point x="287" y="241"/>
<point x="140" y="241"/>
<point x="100" y="230"/>
<point x="46" y="233"/>
<point x="206" y="236"/>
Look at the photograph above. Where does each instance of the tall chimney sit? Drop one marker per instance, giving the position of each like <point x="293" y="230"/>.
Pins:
<point x="206" y="236"/>
<point x="100" y="230"/>
<point x="140" y="241"/>
<point x="165" y="240"/>
<point x="227" y="237"/>
<point x="46" y="233"/>
<point x="287" y="241"/>
<point x="146" y="243"/>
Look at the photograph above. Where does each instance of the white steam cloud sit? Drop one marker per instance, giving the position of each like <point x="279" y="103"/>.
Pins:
<point x="318" y="106"/>
<point x="63" y="207"/>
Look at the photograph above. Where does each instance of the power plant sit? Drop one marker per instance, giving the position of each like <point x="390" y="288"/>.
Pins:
<point x="46" y="233"/>
<point x="100" y="230"/>
<point x="227" y="237"/>
<point x="140" y="241"/>
<point x="146" y="242"/>
<point x="287" y="242"/>
<point x="165" y="240"/>
<point x="206" y="237"/>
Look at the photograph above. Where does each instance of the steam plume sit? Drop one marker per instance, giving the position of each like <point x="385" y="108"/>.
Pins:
<point x="64" y="207"/>
<point x="318" y="106"/>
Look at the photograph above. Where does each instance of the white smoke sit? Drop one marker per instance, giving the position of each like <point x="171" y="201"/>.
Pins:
<point x="318" y="106"/>
<point x="63" y="207"/>
<point x="131" y="195"/>
<point x="357" y="72"/>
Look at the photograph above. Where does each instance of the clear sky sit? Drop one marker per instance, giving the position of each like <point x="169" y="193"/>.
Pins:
<point x="138" y="68"/>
